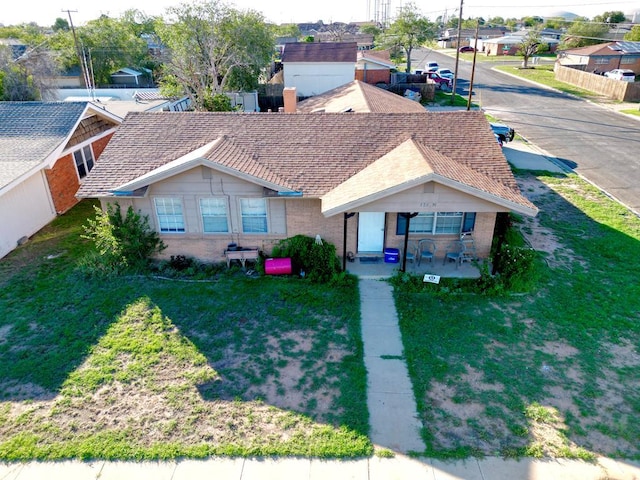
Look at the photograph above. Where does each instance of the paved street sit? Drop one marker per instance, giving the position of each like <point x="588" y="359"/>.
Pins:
<point x="596" y="141"/>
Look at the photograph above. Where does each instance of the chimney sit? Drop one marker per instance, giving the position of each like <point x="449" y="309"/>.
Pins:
<point x="290" y="100"/>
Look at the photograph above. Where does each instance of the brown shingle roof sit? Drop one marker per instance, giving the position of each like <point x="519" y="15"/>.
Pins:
<point x="309" y="153"/>
<point x="360" y="97"/>
<point x="320" y="52"/>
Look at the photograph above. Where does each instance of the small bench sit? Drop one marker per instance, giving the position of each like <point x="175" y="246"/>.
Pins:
<point x="242" y="255"/>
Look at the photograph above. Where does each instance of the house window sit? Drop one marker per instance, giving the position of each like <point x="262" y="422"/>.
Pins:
<point x="602" y="60"/>
<point x="214" y="215"/>
<point x="438" y="223"/>
<point x="84" y="160"/>
<point x="628" y="60"/>
<point x="448" y="222"/>
<point x="254" y="215"/>
<point x="169" y="212"/>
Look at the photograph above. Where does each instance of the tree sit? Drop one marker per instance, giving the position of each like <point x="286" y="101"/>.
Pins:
<point x="214" y="48"/>
<point x="60" y="24"/>
<point x="27" y="78"/>
<point x="611" y="17"/>
<point x="110" y="44"/>
<point x="409" y="30"/>
<point x="633" y="35"/>
<point x="530" y="46"/>
<point x="582" y="33"/>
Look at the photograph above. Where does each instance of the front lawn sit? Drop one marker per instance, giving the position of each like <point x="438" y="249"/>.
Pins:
<point x="138" y="367"/>
<point x="554" y="372"/>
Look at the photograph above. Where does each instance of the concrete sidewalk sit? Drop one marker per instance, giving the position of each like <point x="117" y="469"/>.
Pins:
<point x="393" y="416"/>
<point x="400" y="467"/>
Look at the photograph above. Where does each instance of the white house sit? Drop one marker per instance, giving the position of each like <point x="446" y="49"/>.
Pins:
<point x="315" y="68"/>
<point x="46" y="151"/>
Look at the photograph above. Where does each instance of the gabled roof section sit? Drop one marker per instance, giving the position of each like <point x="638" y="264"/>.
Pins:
<point x="214" y="155"/>
<point x="412" y="164"/>
<point x="32" y="134"/>
<point x="378" y="57"/>
<point x="308" y="153"/>
<point x="607" y="49"/>
<point x="329" y="52"/>
<point x="358" y="96"/>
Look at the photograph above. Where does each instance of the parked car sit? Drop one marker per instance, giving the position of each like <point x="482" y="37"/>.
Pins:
<point x="466" y="48"/>
<point x="504" y="132"/>
<point x="445" y="72"/>
<point x="621" y="74"/>
<point x="441" y="82"/>
<point x="431" y="67"/>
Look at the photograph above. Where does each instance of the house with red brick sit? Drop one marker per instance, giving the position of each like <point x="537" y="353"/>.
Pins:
<point x="361" y="181"/>
<point x="374" y="66"/>
<point x="46" y="151"/>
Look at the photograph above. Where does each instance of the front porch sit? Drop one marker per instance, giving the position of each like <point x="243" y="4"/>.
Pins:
<point x="380" y="269"/>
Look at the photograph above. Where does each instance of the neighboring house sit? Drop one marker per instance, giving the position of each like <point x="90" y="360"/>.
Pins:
<point x="17" y="47"/>
<point x="603" y="57"/>
<point x="356" y="97"/>
<point x="46" y="151"/>
<point x="510" y="45"/>
<point x="449" y="37"/>
<point x="210" y="179"/>
<point x="314" y="68"/>
<point x="132" y="78"/>
<point x="363" y="40"/>
<point x="374" y="66"/>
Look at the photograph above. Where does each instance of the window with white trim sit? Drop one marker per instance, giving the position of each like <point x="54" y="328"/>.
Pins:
<point x="628" y="60"/>
<point x="438" y="223"/>
<point x="169" y="213"/>
<point x="84" y="160"/>
<point x="214" y="215"/>
<point x="254" y="215"/>
<point x="602" y="60"/>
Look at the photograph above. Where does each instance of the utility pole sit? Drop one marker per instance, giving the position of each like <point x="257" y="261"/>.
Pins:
<point x="83" y="70"/>
<point x="455" y="72"/>
<point x="473" y="68"/>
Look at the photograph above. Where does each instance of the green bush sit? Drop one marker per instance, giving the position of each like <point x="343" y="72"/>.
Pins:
<point x="122" y="242"/>
<point x="316" y="261"/>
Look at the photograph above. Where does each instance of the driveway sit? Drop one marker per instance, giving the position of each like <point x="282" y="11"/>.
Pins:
<point x="597" y="142"/>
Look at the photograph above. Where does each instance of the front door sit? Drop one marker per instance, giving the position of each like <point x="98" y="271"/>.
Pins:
<point x="371" y="232"/>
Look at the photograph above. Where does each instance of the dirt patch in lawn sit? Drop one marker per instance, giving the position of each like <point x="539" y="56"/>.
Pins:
<point x="540" y="238"/>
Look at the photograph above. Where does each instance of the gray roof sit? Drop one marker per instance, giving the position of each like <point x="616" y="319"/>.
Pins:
<point x="330" y="52"/>
<point x="31" y="131"/>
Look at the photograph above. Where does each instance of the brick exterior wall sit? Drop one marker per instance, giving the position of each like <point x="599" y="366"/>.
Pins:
<point x="374" y="76"/>
<point x="99" y="145"/>
<point x="482" y="235"/>
<point x="303" y="218"/>
<point x="63" y="177"/>
<point x="63" y="183"/>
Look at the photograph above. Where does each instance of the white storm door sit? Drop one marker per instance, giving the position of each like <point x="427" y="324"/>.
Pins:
<point x="371" y="231"/>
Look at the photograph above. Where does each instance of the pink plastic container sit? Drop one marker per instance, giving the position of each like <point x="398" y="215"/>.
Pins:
<point x="277" y="266"/>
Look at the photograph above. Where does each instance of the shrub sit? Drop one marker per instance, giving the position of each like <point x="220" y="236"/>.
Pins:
<point x="317" y="261"/>
<point x="122" y="241"/>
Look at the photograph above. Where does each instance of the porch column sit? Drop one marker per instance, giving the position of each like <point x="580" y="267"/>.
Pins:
<point x="347" y="216"/>
<point x="408" y="217"/>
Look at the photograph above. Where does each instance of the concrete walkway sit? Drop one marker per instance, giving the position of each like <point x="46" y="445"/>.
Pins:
<point x="392" y="408"/>
<point x="400" y="467"/>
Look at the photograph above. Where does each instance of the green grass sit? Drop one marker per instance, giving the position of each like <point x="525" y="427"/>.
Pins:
<point x="136" y="367"/>
<point x="543" y="74"/>
<point x="635" y="112"/>
<point x="489" y="373"/>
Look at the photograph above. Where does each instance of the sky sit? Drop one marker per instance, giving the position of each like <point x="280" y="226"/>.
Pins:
<point x="45" y="12"/>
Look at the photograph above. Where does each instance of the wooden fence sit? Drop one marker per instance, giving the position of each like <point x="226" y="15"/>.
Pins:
<point x="615" y="89"/>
